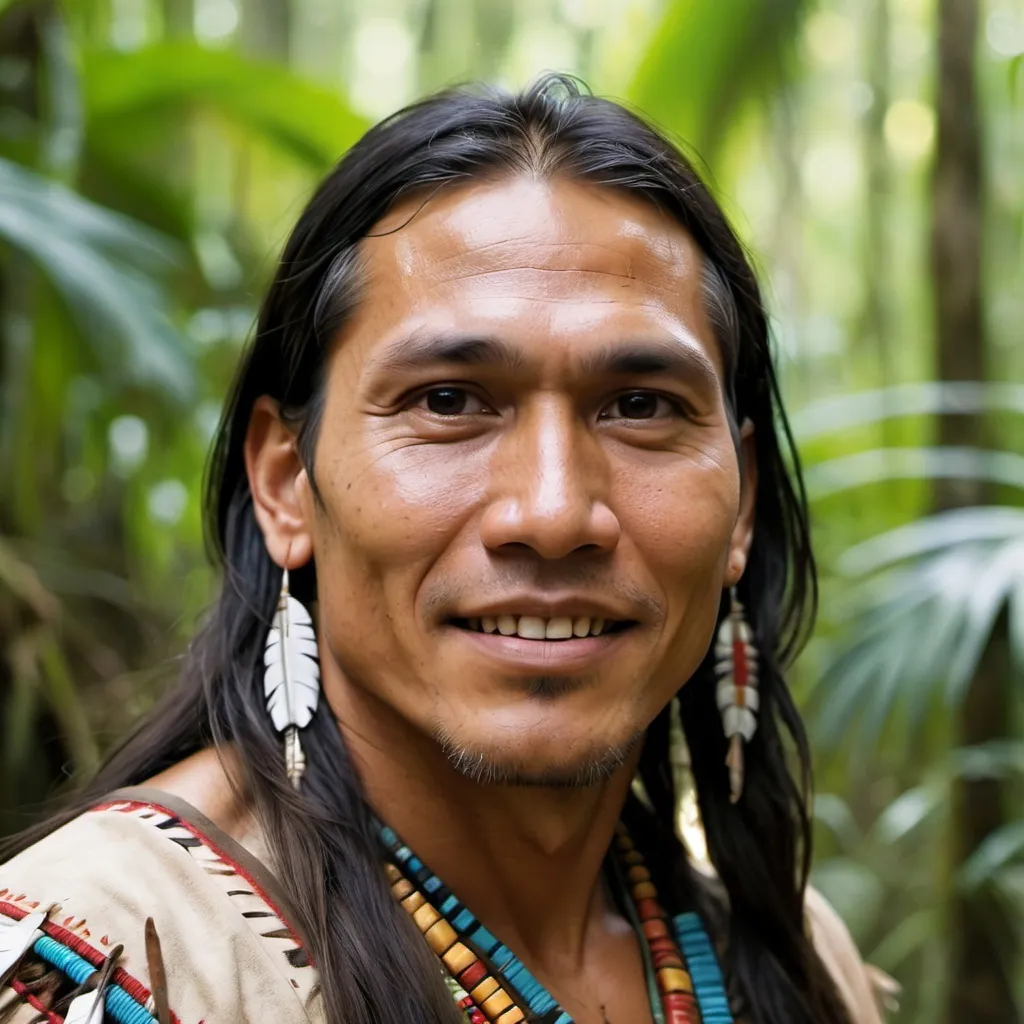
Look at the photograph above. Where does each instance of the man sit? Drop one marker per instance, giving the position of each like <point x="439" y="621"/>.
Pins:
<point x="499" y="466"/>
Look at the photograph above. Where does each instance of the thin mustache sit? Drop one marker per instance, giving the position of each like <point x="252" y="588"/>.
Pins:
<point x="446" y="594"/>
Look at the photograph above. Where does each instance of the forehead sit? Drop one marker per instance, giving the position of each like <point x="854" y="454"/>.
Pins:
<point x="526" y="259"/>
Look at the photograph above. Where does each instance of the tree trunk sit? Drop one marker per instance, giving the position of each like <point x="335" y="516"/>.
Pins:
<point x="981" y="940"/>
<point x="267" y="29"/>
<point x="875" y="324"/>
<point x="178" y="18"/>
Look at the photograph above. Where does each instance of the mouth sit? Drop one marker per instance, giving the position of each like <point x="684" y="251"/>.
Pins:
<point x="534" y="627"/>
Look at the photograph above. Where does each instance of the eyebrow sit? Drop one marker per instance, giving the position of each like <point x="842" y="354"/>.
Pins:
<point x="652" y="357"/>
<point x="421" y="350"/>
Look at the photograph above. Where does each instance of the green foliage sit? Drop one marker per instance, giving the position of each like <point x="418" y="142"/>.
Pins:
<point x="165" y="83"/>
<point x="146" y="179"/>
<point x="108" y="270"/>
<point x="707" y="60"/>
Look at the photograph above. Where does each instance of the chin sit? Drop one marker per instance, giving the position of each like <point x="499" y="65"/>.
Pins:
<point x="536" y="764"/>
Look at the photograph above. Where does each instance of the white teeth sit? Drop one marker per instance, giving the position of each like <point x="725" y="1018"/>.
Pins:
<point x="531" y="627"/>
<point x="557" y="629"/>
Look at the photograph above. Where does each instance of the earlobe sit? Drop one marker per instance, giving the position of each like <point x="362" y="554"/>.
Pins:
<point x="278" y="481"/>
<point x="743" y="531"/>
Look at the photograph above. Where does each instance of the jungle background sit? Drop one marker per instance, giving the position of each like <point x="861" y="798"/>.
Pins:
<point x="153" y="155"/>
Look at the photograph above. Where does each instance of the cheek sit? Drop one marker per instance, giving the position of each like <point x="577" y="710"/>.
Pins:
<point x="394" y="504"/>
<point x="681" y="519"/>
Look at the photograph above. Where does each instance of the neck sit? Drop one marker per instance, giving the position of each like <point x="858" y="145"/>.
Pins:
<point x="526" y="860"/>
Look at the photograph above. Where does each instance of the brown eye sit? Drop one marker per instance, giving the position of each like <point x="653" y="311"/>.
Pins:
<point x="446" y="401"/>
<point x="452" y="401"/>
<point x="640" y="405"/>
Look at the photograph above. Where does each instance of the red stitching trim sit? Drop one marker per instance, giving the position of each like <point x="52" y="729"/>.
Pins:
<point x="121" y="977"/>
<point x="126" y="805"/>
<point x="22" y="991"/>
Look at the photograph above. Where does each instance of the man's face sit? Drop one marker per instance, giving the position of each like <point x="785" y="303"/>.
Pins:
<point x="530" y="493"/>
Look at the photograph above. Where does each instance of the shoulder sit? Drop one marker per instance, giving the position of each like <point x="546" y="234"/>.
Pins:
<point x="227" y="949"/>
<point x="862" y="987"/>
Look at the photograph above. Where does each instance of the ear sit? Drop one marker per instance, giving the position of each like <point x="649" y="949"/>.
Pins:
<point x="279" y="485"/>
<point x="743" y="531"/>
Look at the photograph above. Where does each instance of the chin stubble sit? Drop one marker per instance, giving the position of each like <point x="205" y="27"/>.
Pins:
<point x="485" y="769"/>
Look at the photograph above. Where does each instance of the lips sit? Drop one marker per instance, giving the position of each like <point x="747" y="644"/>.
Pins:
<point x="535" y="627"/>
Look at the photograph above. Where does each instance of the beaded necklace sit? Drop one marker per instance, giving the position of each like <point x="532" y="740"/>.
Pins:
<point x="492" y="986"/>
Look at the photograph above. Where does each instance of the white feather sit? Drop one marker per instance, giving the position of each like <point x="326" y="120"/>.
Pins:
<point x="739" y="720"/>
<point x="16" y="938"/>
<point x="291" y="683"/>
<point x="83" y="1009"/>
<point x="725" y="696"/>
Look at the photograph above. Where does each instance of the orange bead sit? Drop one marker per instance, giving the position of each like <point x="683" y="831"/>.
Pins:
<point x="425" y="916"/>
<point x="497" y="1004"/>
<point x="484" y="990"/>
<point x="458" y="958"/>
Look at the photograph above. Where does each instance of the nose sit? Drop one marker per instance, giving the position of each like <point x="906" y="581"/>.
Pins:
<point x="549" y="481"/>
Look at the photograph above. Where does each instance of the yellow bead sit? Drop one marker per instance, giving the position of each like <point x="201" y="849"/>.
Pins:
<point x="496" y="1004"/>
<point x="425" y="916"/>
<point x="486" y="988"/>
<point x="440" y="936"/>
<point x="458" y="958"/>
<point x="392" y="872"/>
<point x="638" y="873"/>
<point x="413" y="901"/>
<point x="672" y="979"/>
<point x="402" y="888"/>
<point x="644" y="891"/>
<point x="513" y="1016"/>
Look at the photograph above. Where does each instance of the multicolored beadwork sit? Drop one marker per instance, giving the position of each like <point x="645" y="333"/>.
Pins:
<point x="492" y="986"/>
<point x="708" y="984"/>
<point x="674" y="982"/>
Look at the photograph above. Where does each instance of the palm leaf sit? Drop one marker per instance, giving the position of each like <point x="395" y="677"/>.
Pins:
<point x="846" y="472"/>
<point x="707" y="58"/>
<point x="933" y="533"/>
<point x="159" y="83"/>
<point x="1002" y="847"/>
<point x="921" y="613"/>
<point x="105" y="267"/>
<point x="926" y="398"/>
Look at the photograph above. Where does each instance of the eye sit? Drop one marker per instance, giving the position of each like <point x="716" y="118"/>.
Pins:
<point x="640" y="405"/>
<point x="452" y="401"/>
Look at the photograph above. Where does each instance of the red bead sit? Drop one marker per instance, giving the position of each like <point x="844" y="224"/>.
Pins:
<point x="740" y="673"/>
<point x="473" y="975"/>
<point x="680" y="1008"/>
<point x="648" y="909"/>
<point x="666" y="958"/>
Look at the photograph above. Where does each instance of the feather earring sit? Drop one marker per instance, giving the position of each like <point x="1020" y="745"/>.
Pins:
<point x="736" y="693"/>
<point x="291" y="681"/>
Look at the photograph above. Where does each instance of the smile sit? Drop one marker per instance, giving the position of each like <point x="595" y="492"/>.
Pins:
<point x="533" y="627"/>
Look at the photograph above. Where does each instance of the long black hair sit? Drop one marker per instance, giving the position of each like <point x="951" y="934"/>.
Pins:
<point x="374" y="967"/>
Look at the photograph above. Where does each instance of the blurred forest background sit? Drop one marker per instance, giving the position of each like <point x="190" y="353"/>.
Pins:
<point x="153" y="155"/>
